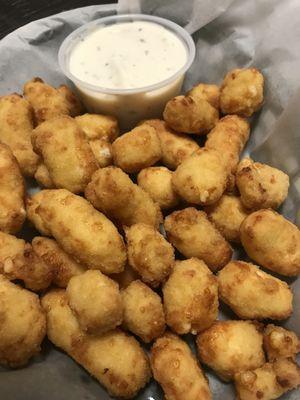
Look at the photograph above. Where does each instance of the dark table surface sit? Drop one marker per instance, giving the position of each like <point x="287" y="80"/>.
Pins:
<point x="15" y="13"/>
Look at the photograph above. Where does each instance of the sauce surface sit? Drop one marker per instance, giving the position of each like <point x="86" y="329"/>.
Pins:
<point x="127" y="55"/>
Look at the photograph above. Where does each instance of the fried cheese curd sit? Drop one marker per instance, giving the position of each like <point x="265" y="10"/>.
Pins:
<point x="260" y="185"/>
<point x="229" y="347"/>
<point x="102" y="150"/>
<point x="272" y="241"/>
<point x="12" y="192"/>
<point x="43" y="177"/>
<point x="115" y="359"/>
<point x="74" y="104"/>
<point x="177" y="370"/>
<point x="280" y="342"/>
<point x="22" y="324"/>
<point x="208" y="92"/>
<point x="143" y="311"/>
<point x="83" y="232"/>
<point x="193" y="235"/>
<point x="149" y="253"/>
<point x="96" y="302"/>
<point x="125" y="277"/>
<point x="254" y="294"/>
<point x="16" y="124"/>
<point x="190" y="297"/>
<point x="112" y="191"/>
<point x="242" y="92"/>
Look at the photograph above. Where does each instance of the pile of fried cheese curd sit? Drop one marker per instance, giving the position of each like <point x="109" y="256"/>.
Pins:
<point x="101" y="279"/>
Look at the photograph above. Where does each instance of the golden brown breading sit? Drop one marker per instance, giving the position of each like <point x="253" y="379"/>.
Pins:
<point x="32" y="205"/>
<point x="176" y="369"/>
<point x="272" y="241"/>
<point x="63" y="266"/>
<point x="102" y="150"/>
<point x="22" y="324"/>
<point x="115" y="359"/>
<point x="157" y="181"/>
<point x="190" y="115"/>
<point x="125" y="277"/>
<point x="113" y="192"/>
<point x="227" y="215"/>
<point x="96" y="126"/>
<point x="12" y="192"/>
<point x="75" y="106"/>
<point x="143" y="311"/>
<point x="149" y="253"/>
<point x="66" y="153"/>
<point x="43" y="177"/>
<point x="15" y="131"/>
<point x="79" y="229"/>
<point x="268" y="382"/>
<point x="254" y="294"/>
<point x="201" y="178"/>
<point x="190" y="231"/>
<point x="210" y="93"/>
<point x="260" y="185"/>
<point x="229" y="347"/>
<point x="280" y="343"/>
<point x="242" y="92"/>
<point x="190" y="297"/>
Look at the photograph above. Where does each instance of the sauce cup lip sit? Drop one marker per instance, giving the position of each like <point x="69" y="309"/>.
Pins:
<point x="73" y="38"/>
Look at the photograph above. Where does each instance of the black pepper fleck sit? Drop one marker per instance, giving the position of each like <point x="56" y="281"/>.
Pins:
<point x="146" y="52"/>
<point x="142" y="40"/>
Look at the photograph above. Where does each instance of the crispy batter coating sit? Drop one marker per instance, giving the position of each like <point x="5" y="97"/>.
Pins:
<point x="115" y="359"/>
<point x="137" y="149"/>
<point x="260" y="185"/>
<point x="125" y="277"/>
<point x="22" y="324"/>
<point x="210" y="93"/>
<point x="66" y="153"/>
<point x="143" y="311"/>
<point x="190" y="297"/>
<point x="190" y="231"/>
<point x="113" y="192"/>
<point x="43" y="177"/>
<point x="229" y="347"/>
<point x="96" y="302"/>
<point x="79" y="229"/>
<point x="102" y="150"/>
<point x="201" y="178"/>
<point x="32" y="204"/>
<point x="16" y="124"/>
<point x="242" y="92"/>
<point x="227" y="215"/>
<point x="12" y="192"/>
<point x="280" y="343"/>
<point x="157" y="181"/>
<point x="176" y="369"/>
<point x="190" y="115"/>
<point x="97" y="126"/>
<point x="272" y="241"/>
<point x="175" y="146"/>
<point x="63" y="266"/>
<point x="74" y="104"/>
<point x="254" y="294"/>
<point x="149" y="253"/>
<point x="268" y="382"/>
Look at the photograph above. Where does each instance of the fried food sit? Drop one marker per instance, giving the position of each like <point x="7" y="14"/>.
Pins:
<point x="63" y="266"/>
<point x="96" y="126"/>
<point x="43" y="177"/>
<point x="201" y="178"/>
<point x="260" y="185"/>
<point x="137" y="149"/>
<point x="176" y="369"/>
<point x="229" y="347"/>
<point x="12" y="192"/>
<point x="32" y="205"/>
<point x="242" y="92"/>
<point x="22" y="324"/>
<point x="190" y="297"/>
<point x="65" y="152"/>
<point x="175" y="146"/>
<point x="210" y="93"/>
<point x="227" y="215"/>
<point x="116" y="360"/>
<point x="79" y="229"/>
<point x="113" y="192"/>
<point x="125" y="277"/>
<point x="190" y="231"/>
<point x="149" y="253"/>
<point x="190" y="115"/>
<point x="272" y="241"/>
<point x="268" y="382"/>
<point x="96" y="302"/>
<point x="280" y="343"/>
<point x="157" y="181"/>
<point x="254" y="294"/>
<point x="74" y="104"/>
<point x="16" y="124"/>
<point x="102" y="150"/>
<point x="143" y="311"/>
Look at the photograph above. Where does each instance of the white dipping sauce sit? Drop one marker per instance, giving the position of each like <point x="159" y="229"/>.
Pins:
<point x="127" y="55"/>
